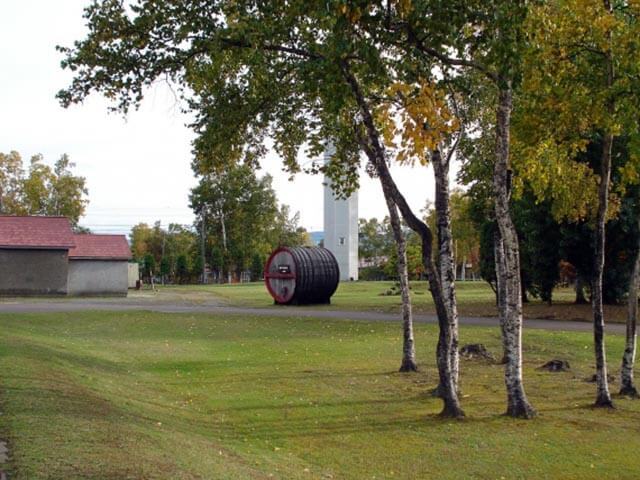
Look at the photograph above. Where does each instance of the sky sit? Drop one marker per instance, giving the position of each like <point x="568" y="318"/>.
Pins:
<point x="137" y="167"/>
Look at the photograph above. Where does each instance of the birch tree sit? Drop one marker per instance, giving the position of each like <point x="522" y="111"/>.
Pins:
<point x="427" y="127"/>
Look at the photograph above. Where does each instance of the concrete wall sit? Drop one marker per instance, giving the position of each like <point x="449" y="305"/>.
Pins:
<point x="98" y="277"/>
<point x="33" y="272"/>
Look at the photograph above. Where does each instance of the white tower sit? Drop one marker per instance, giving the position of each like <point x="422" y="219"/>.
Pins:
<point x="341" y="226"/>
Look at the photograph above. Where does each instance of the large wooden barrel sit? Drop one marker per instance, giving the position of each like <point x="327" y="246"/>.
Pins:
<point x="301" y="275"/>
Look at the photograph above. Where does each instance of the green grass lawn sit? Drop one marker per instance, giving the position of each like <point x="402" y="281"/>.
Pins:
<point x="474" y="299"/>
<point x="115" y="395"/>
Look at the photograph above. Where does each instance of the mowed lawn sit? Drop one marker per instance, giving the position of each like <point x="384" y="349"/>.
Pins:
<point x="113" y="395"/>
<point x="474" y="299"/>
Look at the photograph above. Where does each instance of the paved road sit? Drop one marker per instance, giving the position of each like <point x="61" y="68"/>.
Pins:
<point x="29" y="306"/>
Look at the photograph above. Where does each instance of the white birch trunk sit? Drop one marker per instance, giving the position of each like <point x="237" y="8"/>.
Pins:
<point x="510" y="282"/>
<point x="408" y="344"/>
<point x="498" y="250"/>
<point x="446" y="260"/>
<point x="627" y="385"/>
<point x="603" y="396"/>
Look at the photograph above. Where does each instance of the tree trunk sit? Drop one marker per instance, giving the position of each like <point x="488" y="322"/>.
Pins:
<point x="603" y="397"/>
<point x="224" y="247"/>
<point x="408" y="347"/>
<point x="525" y="297"/>
<point x="627" y="386"/>
<point x="517" y="403"/>
<point x="446" y="261"/>
<point x="448" y="392"/>
<point x="376" y="154"/>
<point x="463" y="270"/>
<point x="498" y="254"/>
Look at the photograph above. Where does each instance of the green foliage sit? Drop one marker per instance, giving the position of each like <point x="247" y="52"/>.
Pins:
<point x="243" y="218"/>
<point x="163" y="244"/>
<point x="182" y="268"/>
<point x="375" y="240"/>
<point x="544" y="240"/>
<point x="149" y="265"/>
<point x="165" y="267"/>
<point x="197" y="267"/>
<point x="621" y="232"/>
<point x="415" y="266"/>
<point x="42" y="190"/>
<point x="217" y="259"/>
<point x="539" y="237"/>
<point x="257" y="266"/>
<point x="581" y="81"/>
<point x="488" y="231"/>
<point x="372" y="273"/>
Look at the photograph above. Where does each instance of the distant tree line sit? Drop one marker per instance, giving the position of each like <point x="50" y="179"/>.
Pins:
<point x="242" y="223"/>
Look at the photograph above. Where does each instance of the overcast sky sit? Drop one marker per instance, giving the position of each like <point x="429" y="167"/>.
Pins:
<point x="137" y="168"/>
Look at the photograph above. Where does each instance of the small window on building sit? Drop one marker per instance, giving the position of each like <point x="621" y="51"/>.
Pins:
<point x="341" y="241"/>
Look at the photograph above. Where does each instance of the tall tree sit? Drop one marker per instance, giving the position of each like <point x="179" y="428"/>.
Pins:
<point x="42" y="190"/>
<point x="243" y="216"/>
<point x="430" y="132"/>
<point x="300" y="73"/>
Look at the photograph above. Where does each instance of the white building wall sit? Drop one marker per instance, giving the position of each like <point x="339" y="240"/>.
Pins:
<point x="98" y="277"/>
<point x="341" y="227"/>
<point x="134" y="274"/>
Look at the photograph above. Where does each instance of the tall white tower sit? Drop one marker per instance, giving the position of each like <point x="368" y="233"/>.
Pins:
<point x="341" y="226"/>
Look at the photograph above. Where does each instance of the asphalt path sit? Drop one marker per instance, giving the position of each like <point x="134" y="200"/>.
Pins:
<point x="45" y="306"/>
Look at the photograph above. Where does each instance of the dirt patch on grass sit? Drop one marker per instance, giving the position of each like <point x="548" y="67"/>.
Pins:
<point x="555" y="365"/>
<point x="476" y="351"/>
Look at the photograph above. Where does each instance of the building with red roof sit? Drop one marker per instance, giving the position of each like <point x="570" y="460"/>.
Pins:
<point x="42" y="256"/>
<point x="98" y="265"/>
<point x="34" y="255"/>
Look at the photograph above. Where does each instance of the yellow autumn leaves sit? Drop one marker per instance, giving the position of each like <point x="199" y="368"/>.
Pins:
<point x="415" y="120"/>
<point x="568" y="98"/>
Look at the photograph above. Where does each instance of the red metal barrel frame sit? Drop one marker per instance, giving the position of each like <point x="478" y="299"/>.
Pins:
<point x="268" y="276"/>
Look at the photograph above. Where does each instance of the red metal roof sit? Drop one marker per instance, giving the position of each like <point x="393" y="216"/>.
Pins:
<point x="100" y="247"/>
<point x="35" y="232"/>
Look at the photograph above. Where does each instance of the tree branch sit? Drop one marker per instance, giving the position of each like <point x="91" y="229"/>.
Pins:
<point x="452" y="61"/>
<point x="272" y="48"/>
